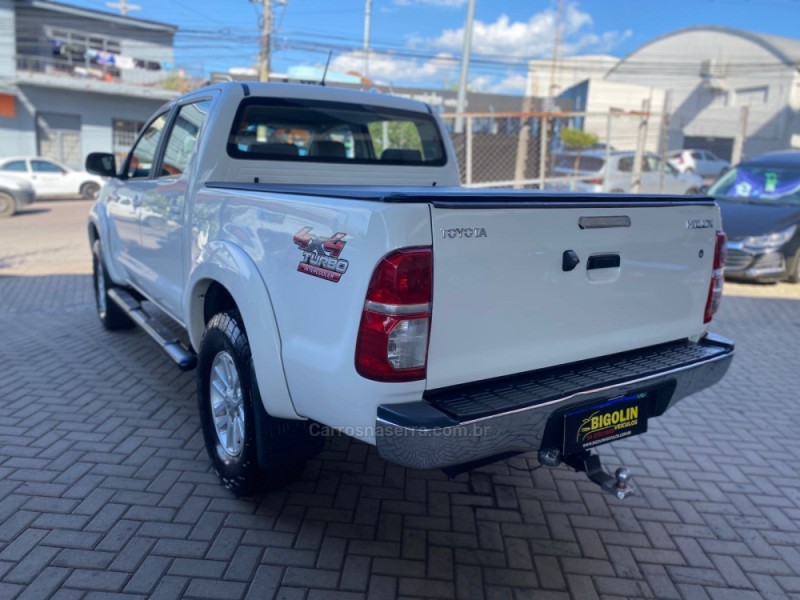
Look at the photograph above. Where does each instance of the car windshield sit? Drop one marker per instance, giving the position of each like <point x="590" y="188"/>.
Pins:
<point x="759" y="184"/>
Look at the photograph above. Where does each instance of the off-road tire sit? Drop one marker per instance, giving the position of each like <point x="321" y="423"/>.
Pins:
<point x="8" y="205"/>
<point x="89" y="190"/>
<point x="111" y="316"/>
<point x="241" y="473"/>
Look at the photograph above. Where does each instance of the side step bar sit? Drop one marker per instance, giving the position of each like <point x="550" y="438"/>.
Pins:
<point x="182" y="356"/>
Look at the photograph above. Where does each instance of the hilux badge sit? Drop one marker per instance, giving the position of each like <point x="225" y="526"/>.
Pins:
<point x="699" y="224"/>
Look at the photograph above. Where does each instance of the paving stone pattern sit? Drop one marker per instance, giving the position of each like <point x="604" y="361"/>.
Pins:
<point x="106" y="492"/>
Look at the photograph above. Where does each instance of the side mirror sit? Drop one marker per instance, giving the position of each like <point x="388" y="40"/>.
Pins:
<point x="102" y="163"/>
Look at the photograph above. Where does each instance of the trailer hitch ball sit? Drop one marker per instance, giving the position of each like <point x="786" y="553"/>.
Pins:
<point x="623" y="476"/>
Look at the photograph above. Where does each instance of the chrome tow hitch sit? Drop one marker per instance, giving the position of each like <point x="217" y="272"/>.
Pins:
<point x="619" y="484"/>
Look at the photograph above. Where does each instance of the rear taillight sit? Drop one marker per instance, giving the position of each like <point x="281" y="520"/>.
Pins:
<point x="392" y="342"/>
<point x="717" y="277"/>
<point x="595" y="181"/>
<point x="680" y="159"/>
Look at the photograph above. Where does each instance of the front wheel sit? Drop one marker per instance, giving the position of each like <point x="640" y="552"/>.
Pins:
<point x="89" y="190"/>
<point x="111" y="316"/>
<point x="227" y="394"/>
<point x="794" y="276"/>
<point x="8" y="206"/>
<point x="692" y="191"/>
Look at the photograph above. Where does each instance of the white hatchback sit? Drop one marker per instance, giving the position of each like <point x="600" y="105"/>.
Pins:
<point x="588" y="172"/>
<point x="51" y="178"/>
<point x="702" y="162"/>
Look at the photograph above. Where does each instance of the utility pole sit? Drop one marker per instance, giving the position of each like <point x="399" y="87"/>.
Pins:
<point x="123" y="7"/>
<point x="556" y="41"/>
<point x="266" y="41"/>
<point x="524" y="136"/>
<point x="641" y="141"/>
<point x="367" y="24"/>
<point x="738" y="141"/>
<point x="461" y="105"/>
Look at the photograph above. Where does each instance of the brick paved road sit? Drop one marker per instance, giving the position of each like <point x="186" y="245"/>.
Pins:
<point x="105" y="490"/>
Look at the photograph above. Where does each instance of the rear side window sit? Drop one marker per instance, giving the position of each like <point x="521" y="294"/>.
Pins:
<point x="183" y="137"/>
<point x="15" y="165"/>
<point x="584" y="163"/>
<point x="334" y="132"/>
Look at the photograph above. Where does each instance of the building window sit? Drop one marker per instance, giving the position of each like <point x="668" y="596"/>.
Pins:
<point x="751" y="96"/>
<point x="719" y="98"/>
<point x="123" y="136"/>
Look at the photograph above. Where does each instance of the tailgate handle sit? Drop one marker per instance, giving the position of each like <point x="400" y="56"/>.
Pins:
<point x="603" y="261"/>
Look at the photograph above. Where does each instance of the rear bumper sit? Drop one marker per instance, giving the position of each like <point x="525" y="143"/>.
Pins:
<point x="511" y="415"/>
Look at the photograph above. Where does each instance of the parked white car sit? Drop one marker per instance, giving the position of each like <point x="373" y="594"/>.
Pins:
<point x="702" y="162"/>
<point x="596" y="176"/>
<point x="51" y="178"/>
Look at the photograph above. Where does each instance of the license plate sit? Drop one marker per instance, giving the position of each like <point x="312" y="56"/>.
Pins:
<point x="608" y="421"/>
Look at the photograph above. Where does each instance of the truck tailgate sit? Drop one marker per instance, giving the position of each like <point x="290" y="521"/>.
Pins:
<point x="505" y="300"/>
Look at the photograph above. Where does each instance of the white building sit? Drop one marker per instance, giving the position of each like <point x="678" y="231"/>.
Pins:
<point x="613" y="112"/>
<point x="545" y="80"/>
<point x="710" y="73"/>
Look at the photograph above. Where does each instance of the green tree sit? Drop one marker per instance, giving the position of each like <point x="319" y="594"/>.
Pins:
<point x="577" y="140"/>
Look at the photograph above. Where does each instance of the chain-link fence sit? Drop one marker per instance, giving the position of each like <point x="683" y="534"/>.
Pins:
<point x="615" y="151"/>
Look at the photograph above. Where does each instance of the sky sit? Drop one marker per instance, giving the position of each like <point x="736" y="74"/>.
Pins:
<point x="418" y="42"/>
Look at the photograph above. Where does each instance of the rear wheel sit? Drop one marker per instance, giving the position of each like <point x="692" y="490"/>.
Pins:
<point x="227" y="395"/>
<point x="692" y="191"/>
<point x="111" y="316"/>
<point x="689" y="170"/>
<point x="89" y="190"/>
<point x="8" y="206"/>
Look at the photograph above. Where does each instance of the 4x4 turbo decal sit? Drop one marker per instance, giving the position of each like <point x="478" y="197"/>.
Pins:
<point x="321" y="255"/>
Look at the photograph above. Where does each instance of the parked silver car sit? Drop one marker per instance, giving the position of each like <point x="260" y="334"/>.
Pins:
<point x="588" y="172"/>
<point x="14" y="194"/>
<point x="703" y="162"/>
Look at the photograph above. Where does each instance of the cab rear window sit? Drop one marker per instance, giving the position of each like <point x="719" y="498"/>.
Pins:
<point x="333" y="132"/>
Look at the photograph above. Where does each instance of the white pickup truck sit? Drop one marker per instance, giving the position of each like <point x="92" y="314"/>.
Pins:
<point x="325" y="272"/>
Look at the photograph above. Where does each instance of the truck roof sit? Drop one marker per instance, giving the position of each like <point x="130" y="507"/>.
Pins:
<point x="316" y="92"/>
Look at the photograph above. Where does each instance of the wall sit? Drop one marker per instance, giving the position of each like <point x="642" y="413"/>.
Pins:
<point x="7" y="36"/>
<point x="18" y="135"/>
<point x="711" y="108"/>
<point x="597" y="96"/>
